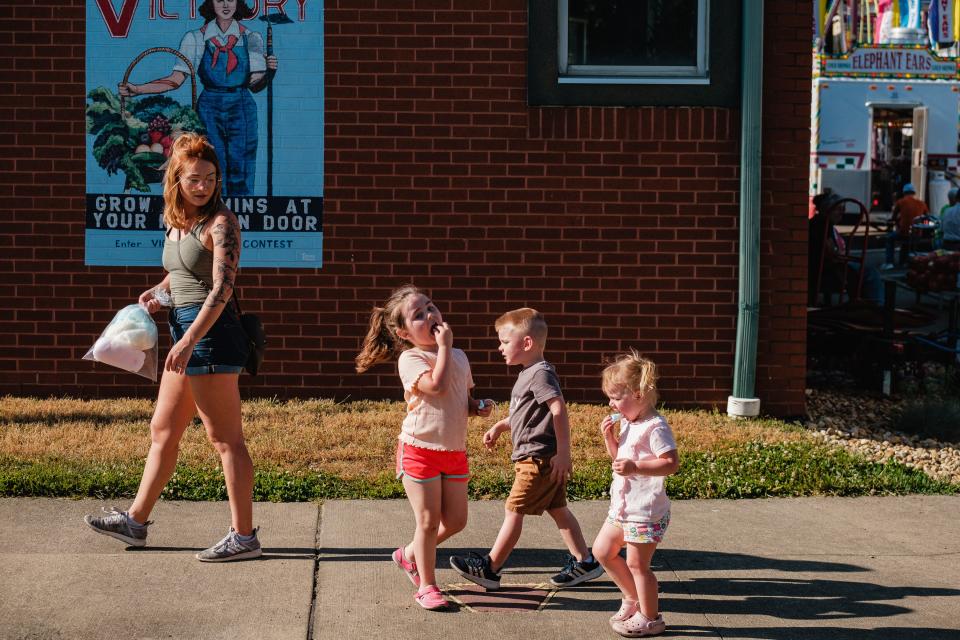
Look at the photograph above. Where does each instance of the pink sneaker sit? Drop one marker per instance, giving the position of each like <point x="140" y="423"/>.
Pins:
<point x="431" y="599"/>
<point x="638" y="626"/>
<point x="627" y="609"/>
<point x="410" y="568"/>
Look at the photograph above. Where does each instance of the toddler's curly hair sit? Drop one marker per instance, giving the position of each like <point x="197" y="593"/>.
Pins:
<point x="633" y="373"/>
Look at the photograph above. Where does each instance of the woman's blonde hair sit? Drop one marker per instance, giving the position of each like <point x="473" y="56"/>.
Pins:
<point x="382" y="342"/>
<point x="633" y="373"/>
<point x="189" y="146"/>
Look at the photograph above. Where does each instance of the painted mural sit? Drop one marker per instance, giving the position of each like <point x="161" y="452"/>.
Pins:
<point x="249" y="76"/>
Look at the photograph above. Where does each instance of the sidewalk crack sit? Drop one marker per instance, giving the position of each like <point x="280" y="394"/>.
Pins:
<point x="316" y="574"/>
<point x="664" y="558"/>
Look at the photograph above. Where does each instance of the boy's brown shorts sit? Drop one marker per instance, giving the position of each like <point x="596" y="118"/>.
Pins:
<point x="534" y="490"/>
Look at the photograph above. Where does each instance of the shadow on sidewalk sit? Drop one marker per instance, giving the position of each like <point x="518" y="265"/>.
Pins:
<point x="820" y="633"/>
<point x="769" y="592"/>
<point x="528" y="561"/>
<point x="791" y="599"/>
<point x="693" y="560"/>
<point x="539" y="560"/>
<point x="786" y="597"/>
<point x="306" y="553"/>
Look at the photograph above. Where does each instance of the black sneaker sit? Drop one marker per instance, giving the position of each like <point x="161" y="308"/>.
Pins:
<point x="574" y="573"/>
<point x="476" y="569"/>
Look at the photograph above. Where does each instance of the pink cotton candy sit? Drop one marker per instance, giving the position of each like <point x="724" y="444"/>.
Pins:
<point x="129" y="342"/>
<point x="118" y="353"/>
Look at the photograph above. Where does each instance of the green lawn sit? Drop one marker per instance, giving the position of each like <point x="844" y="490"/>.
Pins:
<point x="317" y="449"/>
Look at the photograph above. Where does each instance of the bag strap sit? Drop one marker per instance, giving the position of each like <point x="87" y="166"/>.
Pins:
<point x="235" y="297"/>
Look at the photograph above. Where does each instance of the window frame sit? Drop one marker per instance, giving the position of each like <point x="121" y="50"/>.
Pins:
<point x="630" y="74"/>
<point x="718" y="85"/>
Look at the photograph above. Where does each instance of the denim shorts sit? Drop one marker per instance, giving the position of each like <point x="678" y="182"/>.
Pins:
<point x="224" y="349"/>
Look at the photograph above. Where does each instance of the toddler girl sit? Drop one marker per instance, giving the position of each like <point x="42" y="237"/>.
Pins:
<point x="431" y="452"/>
<point x="643" y="455"/>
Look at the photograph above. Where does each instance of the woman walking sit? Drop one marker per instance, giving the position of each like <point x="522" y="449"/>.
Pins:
<point x="201" y="254"/>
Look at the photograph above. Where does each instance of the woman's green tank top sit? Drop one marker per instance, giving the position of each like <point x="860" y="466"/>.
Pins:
<point x="184" y="287"/>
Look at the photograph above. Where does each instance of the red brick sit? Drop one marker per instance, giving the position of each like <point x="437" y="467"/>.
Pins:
<point x="619" y="223"/>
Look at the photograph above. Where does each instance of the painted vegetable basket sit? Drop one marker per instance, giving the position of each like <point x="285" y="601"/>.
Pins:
<point x="136" y="138"/>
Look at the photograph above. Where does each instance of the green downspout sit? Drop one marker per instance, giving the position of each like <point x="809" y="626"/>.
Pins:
<point x="743" y="402"/>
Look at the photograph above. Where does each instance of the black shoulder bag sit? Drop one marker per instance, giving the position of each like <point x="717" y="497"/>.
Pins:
<point x="251" y="324"/>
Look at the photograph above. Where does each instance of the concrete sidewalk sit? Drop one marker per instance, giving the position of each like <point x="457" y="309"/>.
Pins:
<point x="833" y="568"/>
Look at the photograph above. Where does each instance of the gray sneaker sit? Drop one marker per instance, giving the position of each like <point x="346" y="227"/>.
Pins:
<point x="231" y="548"/>
<point x="117" y="524"/>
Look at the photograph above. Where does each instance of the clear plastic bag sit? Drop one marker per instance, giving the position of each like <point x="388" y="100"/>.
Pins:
<point x="129" y="342"/>
<point x="163" y="297"/>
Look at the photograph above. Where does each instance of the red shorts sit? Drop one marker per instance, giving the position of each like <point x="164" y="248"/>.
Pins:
<point x="426" y="465"/>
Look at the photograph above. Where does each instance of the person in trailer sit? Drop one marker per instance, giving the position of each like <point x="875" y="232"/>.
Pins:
<point x="231" y="62"/>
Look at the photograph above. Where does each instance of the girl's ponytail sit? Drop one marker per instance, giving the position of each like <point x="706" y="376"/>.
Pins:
<point x="382" y="342"/>
<point x="379" y="344"/>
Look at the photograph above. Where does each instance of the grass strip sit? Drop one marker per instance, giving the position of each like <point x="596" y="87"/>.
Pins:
<point x="754" y="470"/>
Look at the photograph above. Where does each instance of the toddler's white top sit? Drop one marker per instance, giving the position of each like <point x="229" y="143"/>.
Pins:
<point x="640" y="498"/>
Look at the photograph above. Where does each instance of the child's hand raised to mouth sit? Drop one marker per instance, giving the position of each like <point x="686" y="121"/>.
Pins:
<point x="443" y="333"/>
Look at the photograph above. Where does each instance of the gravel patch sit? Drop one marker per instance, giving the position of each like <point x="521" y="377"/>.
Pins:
<point x="860" y="424"/>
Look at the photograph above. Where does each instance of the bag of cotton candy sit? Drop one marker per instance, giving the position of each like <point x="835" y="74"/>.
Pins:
<point x="129" y="342"/>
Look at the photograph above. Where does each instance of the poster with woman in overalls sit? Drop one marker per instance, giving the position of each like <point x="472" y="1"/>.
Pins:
<point x="248" y="74"/>
<point x="231" y="62"/>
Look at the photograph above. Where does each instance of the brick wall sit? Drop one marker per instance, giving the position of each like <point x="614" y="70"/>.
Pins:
<point x="620" y="224"/>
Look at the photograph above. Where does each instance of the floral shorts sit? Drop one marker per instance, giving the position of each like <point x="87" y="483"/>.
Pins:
<point x="642" y="532"/>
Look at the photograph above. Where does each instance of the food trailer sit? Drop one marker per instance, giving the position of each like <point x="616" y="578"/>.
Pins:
<point x="885" y="100"/>
<point x="886" y="112"/>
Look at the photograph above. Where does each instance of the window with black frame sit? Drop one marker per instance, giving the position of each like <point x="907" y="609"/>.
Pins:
<point x="634" y="52"/>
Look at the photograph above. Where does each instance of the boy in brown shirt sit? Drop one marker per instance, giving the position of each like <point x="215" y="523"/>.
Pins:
<point x="540" y="430"/>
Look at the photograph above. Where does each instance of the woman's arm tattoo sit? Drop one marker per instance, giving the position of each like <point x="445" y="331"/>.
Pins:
<point x="226" y="249"/>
